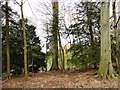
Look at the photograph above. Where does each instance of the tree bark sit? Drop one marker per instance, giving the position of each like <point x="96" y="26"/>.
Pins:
<point x="105" y="67"/>
<point x="116" y="34"/>
<point x="7" y="42"/>
<point x="25" y="44"/>
<point x="55" y="36"/>
<point x="119" y="42"/>
<point x="61" y="52"/>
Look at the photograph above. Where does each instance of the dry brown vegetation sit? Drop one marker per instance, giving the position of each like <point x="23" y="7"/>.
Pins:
<point x="68" y="79"/>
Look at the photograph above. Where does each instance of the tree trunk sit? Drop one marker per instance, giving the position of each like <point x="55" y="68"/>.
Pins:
<point x="55" y="36"/>
<point x="116" y="34"/>
<point x="105" y="67"/>
<point x="25" y="44"/>
<point x="32" y="66"/>
<point x="28" y="53"/>
<point x="0" y="42"/>
<point x="119" y="42"/>
<point x="61" y="52"/>
<point x="47" y="44"/>
<point x="7" y="42"/>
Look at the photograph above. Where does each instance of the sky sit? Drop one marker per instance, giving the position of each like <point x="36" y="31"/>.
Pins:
<point x="35" y="11"/>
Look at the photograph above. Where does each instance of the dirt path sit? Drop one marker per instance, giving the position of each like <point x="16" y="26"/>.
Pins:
<point x="74" y="79"/>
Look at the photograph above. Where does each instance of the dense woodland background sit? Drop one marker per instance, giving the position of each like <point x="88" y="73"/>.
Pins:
<point x="93" y="41"/>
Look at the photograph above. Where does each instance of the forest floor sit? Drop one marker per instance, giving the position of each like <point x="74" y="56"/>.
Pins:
<point x="68" y="79"/>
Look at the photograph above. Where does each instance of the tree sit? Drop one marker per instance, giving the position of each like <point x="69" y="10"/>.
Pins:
<point x="36" y="58"/>
<point x="7" y="42"/>
<point x="119" y="39"/>
<point x="25" y="44"/>
<point x="61" y="50"/>
<point x="116" y="32"/>
<point x="105" y="66"/>
<point x="86" y="35"/>
<point x="0" y="39"/>
<point x="17" y="52"/>
<point x="54" y="32"/>
<point x="12" y="31"/>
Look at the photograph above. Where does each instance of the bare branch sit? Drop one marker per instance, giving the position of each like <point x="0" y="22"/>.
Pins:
<point x="17" y="2"/>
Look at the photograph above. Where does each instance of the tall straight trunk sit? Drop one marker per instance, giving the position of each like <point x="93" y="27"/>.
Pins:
<point x="61" y="52"/>
<point x="119" y="42"/>
<point x="28" y="53"/>
<point x="116" y="34"/>
<point x="55" y="36"/>
<point x="32" y="65"/>
<point x="7" y="42"/>
<point x="105" y="66"/>
<point x="0" y="43"/>
<point x="47" y="31"/>
<point x="25" y="44"/>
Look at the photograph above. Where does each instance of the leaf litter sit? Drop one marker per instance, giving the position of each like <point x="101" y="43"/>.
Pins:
<point x="67" y="79"/>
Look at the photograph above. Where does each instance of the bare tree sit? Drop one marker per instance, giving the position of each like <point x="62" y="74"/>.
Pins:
<point x="25" y="44"/>
<point x="7" y="42"/>
<point x="105" y="67"/>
